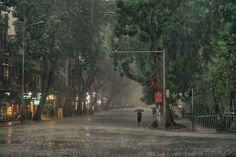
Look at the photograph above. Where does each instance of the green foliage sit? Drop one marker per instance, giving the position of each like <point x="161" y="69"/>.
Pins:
<point x="230" y="155"/>
<point x="151" y="25"/>
<point x="199" y="37"/>
<point x="217" y="81"/>
<point x="5" y="4"/>
<point x="71" y="34"/>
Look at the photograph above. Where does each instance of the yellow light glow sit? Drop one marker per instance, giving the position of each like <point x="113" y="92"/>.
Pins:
<point x="9" y="111"/>
<point x="7" y="93"/>
<point x="51" y="97"/>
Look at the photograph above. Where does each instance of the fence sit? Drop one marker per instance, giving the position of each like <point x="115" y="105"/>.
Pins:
<point x="223" y="123"/>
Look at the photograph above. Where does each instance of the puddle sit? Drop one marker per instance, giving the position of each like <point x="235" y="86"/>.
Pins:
<point x="51" y="144"/>
<point x="9" y="141"/>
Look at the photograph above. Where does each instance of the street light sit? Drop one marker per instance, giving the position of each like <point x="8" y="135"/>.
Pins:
<point x="23" y="57"/>
<point x="164" y="78"/>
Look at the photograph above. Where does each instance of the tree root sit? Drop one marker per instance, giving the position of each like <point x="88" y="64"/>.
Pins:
<point x="175" y="126"/>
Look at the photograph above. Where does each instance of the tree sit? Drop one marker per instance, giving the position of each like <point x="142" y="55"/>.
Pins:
<point x="85" y="45"/>
<point x="142" y="26"/>
<point x="198" y="37"/>
<point x="216" y="85"/>
<point x="43" y="43"/>
<point x="72" y="31"/>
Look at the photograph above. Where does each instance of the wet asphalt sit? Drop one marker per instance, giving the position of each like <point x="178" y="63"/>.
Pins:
<point x="108" y="134"/>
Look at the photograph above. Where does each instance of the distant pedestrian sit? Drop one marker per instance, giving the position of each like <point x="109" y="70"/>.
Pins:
<point x="154" y="110"/>
<point x="52" y="112"/>
<point x="156" y="119"/>
<point x="139" y="114"/>
<point x="30" y="115"/>
<point x="158" y="116"/>
<point x="21" y="117"/>
<point x="14" y="116"/>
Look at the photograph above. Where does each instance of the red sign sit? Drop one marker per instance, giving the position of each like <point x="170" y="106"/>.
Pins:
<point x="26" y="87"/>
<point x="158" y="97"/>
<point x="154" y="84"/>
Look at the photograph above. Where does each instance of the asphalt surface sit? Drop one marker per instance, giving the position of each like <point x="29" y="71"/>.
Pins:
<point x="108" y="134"/>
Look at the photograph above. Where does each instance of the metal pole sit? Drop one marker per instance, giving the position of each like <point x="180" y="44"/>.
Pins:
<point x="192" y="110"/>
<point x="164" y="78"/>
<point x="133" y="51"/>
<point x="164" y="89"/>
<point x="233" y="116"/>
<point x="23" y="69"/>
<point x="23" y="60"/>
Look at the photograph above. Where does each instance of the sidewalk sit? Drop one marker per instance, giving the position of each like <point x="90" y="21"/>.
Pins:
<point x="198" y="128"/>
<point x="17" y="122"/>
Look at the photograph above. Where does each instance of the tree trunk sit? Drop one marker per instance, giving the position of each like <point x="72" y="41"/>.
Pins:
<point x="157" y="45"/>
<point x="206" y="106"/>
<point x="93" y="103"/>
<point x="216" y="108"/>
<point x="170" y="123"/>
<point x="169" y="118"/>
<point x="67" y="108"/>
<point x="47" y="79"/>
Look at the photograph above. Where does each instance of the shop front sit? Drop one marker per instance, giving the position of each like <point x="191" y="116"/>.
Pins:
<point x="50" y="107"/>
<point x="9" y="111"/>
<point x="35" y="100"/>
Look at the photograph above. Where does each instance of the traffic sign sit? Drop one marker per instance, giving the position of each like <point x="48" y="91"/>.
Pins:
<point x="27" y="95"/>
<point x="154" y="84"/>
<point x="158" y="97"/>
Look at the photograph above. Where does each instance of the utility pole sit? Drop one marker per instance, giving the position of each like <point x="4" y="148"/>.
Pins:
<point x="23" y="60"/>
<point x="192" y="109"/>
<point x="163" y="78"/>
<point x="164" y="89"/>
<point x="23" y="70"/>
<point x="234" y="114"/>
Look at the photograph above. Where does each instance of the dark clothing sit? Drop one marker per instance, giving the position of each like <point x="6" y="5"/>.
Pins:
<point x="21" y="118"/>
<point x="154" y="111"/>
<point x="52" y="113"/>
<point x="139" y="115"/>
<point x="154" y="124"/>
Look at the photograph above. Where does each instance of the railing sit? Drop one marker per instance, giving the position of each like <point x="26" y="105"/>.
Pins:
<point x="224" y="123"/>
<point x="207" y="121"/>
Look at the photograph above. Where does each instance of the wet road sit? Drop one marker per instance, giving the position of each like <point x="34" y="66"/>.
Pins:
<point x="109" y="134"/>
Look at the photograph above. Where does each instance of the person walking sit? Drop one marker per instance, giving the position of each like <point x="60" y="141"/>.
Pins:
<point x="156" y="119"/>
<point x="21" y="117"/>
<point x="52" y="112"/>
<point x="139" y="114"/>
<point x="154" y="110"/>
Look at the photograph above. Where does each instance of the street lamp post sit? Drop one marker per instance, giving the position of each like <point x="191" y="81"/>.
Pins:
<point x="192" y="111"/>
<point x="163" y="77"/>
<point x="23" y="58"/>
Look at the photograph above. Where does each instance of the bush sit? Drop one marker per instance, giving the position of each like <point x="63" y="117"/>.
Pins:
<point x="230" y="155"/>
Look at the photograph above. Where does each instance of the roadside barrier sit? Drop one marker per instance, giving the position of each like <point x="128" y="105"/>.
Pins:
<point x="220" y="123"/>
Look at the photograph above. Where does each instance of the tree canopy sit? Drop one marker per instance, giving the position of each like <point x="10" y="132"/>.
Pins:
<point x="198" y="37"/>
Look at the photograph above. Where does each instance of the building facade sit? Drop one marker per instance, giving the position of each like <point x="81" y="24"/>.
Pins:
<point x="9" y="69"/>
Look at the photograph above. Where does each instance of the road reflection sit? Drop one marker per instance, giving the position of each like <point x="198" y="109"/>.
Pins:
<point x="9" y="135"/>
<point x="51" y="144"/>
